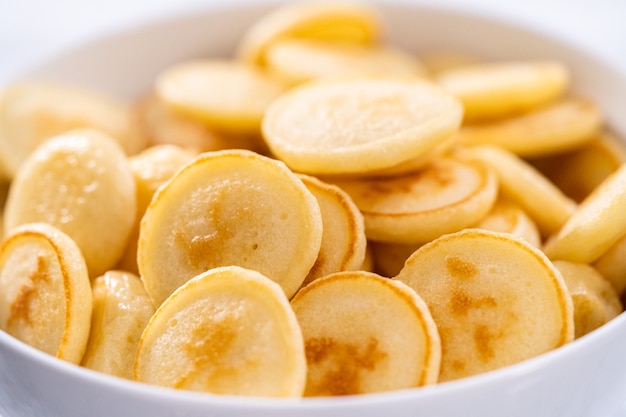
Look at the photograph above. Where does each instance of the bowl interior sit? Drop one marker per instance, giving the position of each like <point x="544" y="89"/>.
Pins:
<point x="585" y="378"/>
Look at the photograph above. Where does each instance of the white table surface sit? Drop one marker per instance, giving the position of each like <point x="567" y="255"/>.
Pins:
<point x="31" y="30"/>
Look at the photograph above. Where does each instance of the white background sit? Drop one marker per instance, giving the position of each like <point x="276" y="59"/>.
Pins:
<point x="31" y="30"/>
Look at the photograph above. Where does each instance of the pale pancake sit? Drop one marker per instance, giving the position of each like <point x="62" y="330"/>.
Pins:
<point x="508" y="217"/>
<point x="445" y="196"/>
<point x="45" y="294"/>
<point x="595" y="300"/>
<point x="597" y="224"/>
<point x="121" y="311"/>
<point x="551" y="129"/>
<point x="578" y="172"/>
<point x="79" y="182"/>
<point x="612" y="265"/>
<point x="340" y="126"/>
<point x="389" y="258"/>
<point x="151" y="168"/>
<point x="296" y="61"/>
<point x="368" y="260"/>
<point x="226" y="95"/>
<point x="344" y="21"/>
<point x="439" y="60"/>
<point x="494" y="89"/>
<point x="496" y="299"/>
<point x="161" y="125"/>
<point x="364" y="333"/>
<point x="543" y="201"/>
<point x="33" y="111"/>
<point x="445" y="148"/>
<point x="227" y="331"/>
<point x="229" y="208"/>
<point x="343" y="237"/>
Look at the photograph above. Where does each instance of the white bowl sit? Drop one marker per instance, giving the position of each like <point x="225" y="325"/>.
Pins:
<point x="584" y="378"/>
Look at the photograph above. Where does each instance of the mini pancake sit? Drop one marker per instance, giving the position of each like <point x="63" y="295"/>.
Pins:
<point x="596" y="225"/>
<point x="226" y="95"/>
<point x="495" y="89"/>
<point x="300" y="60"/>
<point x="121" y="311"/>
<point x="595" y="300"/>
<point x="508" y="217"/>
<point x="32" y="111"/>
<point x="557" y="127"/>
<point x="496" y="300"/>
<point x="412" y="165"/>
<point x="445" y="196"/>
<point x="343" y="237"/>
<point x="523" y="184"/>
<point x="79" y="182"/>
<point x="161" y="125"/>
<point x="151" y="168"/>
<point x="229" y="208"/>
<point x="4" y="193"/>
<point x="438" y="61"/>
<point x="612" y="265"/>
<point x="358" y="125"/>
<point x="227" y="331"/>
<point x="389" y="258"/>
<point x="368" y="260"/>
<point x="364" y="333"/>
<point x="45" y="293"/>
<point x="331" y="21"/>
<point x="578" y="172"/>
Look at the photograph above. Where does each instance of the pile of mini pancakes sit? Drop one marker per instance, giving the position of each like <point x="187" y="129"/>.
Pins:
<point x="322" y="214"/>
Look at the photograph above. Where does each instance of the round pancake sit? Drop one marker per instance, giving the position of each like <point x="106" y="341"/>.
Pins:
<point x="578" y="172"/>
<point x="45" y="293"/>
<point x="358" y="125"/>
<point x="445" y="196"/>
<point x="227" y="331"/>
<point x="496" y="299"/>
<point x="121" y="310"/>
<point x="543" y="201"/>
<point x="496" y="89"/>
<point x="612" y="265"/>
<point x="345" y="21"/>
<point x="300" y="60"/>
<point x="595" y="300"/>
<point x="79" y="182"/>
<point x="558" y="127"/>
<point x="229" y="208"/>
<point x="33" y="111"/>
<point x="389" y="258"/>
<point x="343" y="237"/>
<point x="151" y="168"/>
<point x="364" y="333"/>
<point x="226" y="95"/>
<point x="508" y="217"/>
<point x="597" y="223"/>
<point x="161" y="125"/>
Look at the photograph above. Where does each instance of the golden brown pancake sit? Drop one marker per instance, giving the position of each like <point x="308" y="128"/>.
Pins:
<point x="229" y="331"/>
<point x="45" y="294"/>
<point x="229" y="208"/>
<point x="364" y="333"/>
<point x="496" y="300"/>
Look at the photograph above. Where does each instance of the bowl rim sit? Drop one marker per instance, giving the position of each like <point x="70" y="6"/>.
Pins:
<point x="511" y="372"/>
